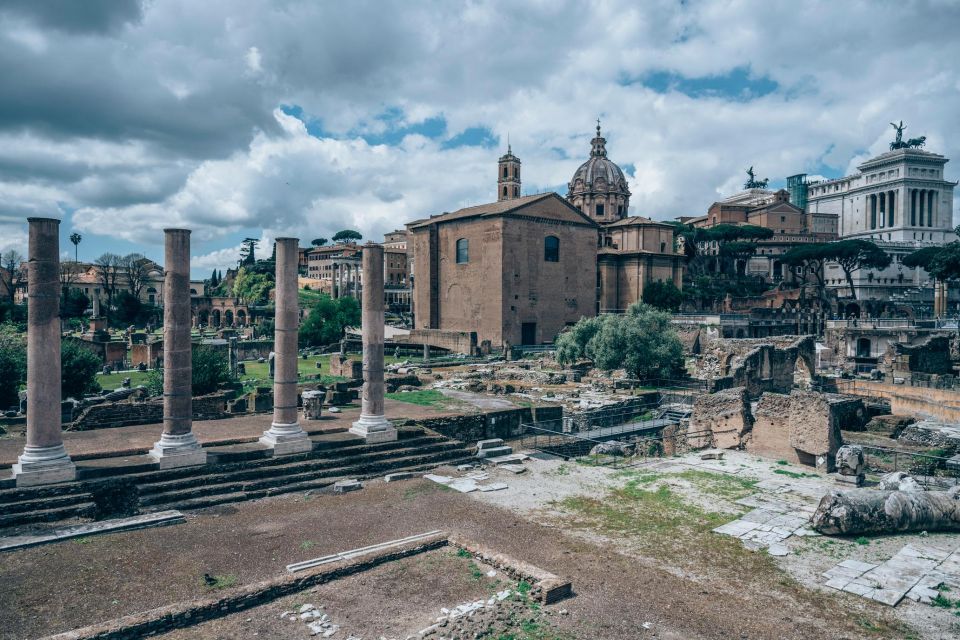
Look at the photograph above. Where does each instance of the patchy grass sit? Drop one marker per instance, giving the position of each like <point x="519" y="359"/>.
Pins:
<point x="656" y="521"/>
<point x="862" y="541"/>
<point x="794" y="474"/>
<point x="218" y="582"/>
<point x="424" y="398"/>
<point x="306" y="545"/>
<point x="423" y="488"/>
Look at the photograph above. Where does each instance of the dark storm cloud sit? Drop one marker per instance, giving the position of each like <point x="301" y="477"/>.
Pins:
<point x="76" y="16"/>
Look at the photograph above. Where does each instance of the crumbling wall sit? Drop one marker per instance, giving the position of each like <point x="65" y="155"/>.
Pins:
<point x="346" y="367"/>
<point x="122" y="414"/>
<point x="931" y="355"/>
<point x="803" y="427"/>
<point x="757" y="365"/>
<point x="721" y="419"/>
<point x="464" y="342"/>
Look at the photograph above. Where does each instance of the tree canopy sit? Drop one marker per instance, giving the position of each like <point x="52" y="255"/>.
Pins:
<point x="347" y="234"/>
<point x="328" y="319"/>
<point x="318" y="242"/>
<point x="13" y="364"/>
<point x="642" y="341"/>
<point x="79" y="368"/>
<point x="252" y="288"/>
<point x="663" y="295"/>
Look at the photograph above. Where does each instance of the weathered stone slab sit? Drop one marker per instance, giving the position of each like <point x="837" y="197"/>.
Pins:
<point x="158" y="519"/>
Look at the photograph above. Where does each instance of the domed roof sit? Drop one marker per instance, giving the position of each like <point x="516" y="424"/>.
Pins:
<point x="599" y="173"/>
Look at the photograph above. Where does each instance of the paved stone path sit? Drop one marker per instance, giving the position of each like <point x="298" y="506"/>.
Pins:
<point x="916" y="570"/>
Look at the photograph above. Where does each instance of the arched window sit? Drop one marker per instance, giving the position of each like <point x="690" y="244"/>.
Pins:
<point x="551" y="249"/>
<point x="504" y="171"/>
<point x="463" y="251"/>
<point x="504" y="192"/>
<point x="516" y="192"/>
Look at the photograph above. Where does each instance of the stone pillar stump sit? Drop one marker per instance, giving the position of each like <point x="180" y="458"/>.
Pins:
<point x="177" y="447"/>
<point x="44" y="460"/>
<point x="285" y="435"/>
<point x="373" y="425"/>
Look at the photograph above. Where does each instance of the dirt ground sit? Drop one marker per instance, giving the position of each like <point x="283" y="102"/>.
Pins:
<point x="619" y="593"/>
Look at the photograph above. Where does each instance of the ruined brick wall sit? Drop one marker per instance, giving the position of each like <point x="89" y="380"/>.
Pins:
<point x="725" y="415"/>
<point x="254" y="349"/>
<point x="346" y="367"/>
<point x="929" y="356"/>
<point x="122" y="414"/>
<point x="802" y="427"/>
<point x="757" y="365"/>
<point x="146" y="354"/>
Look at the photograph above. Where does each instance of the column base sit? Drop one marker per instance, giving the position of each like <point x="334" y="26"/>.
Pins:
<point x="286" y="439"/>
<point x="374" y="429"/>
<point x="44" y="465"/>
<point x="173" y="451"/>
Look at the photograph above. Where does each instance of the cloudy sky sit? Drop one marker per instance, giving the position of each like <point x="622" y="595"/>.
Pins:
<point x="241" y="118"/>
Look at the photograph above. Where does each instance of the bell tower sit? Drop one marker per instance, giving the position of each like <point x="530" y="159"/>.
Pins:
<point x="508" y="176"/>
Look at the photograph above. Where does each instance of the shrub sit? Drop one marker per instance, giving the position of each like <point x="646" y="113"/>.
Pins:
<point x="78" y="370"/>
<point x="13" y="365"/>
<point x="210" y="368"/>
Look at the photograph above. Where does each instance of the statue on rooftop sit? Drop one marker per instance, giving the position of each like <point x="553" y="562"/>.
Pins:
<point x="753" y="183"/>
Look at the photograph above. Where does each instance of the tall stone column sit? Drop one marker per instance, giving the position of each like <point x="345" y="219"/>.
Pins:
<point x="334" y="283"/>
<point x="177" y="447"/>
<point x="285" y="435"/>
<point x="44" y="460"/>
<point x="373" y="425"/>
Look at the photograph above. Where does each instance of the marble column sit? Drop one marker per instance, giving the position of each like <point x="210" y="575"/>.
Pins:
<point x="44" y="460"/>
<point x="177" y="447"/>
<point x="373" y="425"/>
<point x="334" y="284"/>
<point x="285" y="435"/>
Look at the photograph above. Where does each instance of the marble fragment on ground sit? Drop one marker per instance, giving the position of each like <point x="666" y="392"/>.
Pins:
<point x="916" y="570"/>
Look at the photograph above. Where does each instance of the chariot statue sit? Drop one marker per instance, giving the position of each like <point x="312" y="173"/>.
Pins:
<point x="912" y="143"/>
<point x="753" y="183"/>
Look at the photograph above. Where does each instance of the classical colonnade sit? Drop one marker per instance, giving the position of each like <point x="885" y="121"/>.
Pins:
<point x="345" y="278"/>
<point x="45" y="460"/>
<point x="884" y="209"/>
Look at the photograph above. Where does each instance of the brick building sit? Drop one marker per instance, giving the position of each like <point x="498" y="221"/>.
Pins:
<point x="514" y="271"/>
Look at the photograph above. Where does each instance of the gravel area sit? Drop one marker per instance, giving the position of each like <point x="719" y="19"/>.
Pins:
<point x="617" y="594"/>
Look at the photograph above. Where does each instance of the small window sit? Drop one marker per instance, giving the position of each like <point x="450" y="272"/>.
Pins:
<point x="504" y="171"/>
<point x="504" y="192"/>
<point x="516" y="192"/>
<point x="599" y="210"/>
<point x="463" y="251"/>
<point x="551" y="249"/>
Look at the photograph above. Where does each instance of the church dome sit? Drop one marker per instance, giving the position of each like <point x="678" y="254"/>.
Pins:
<point x="598" y="187"/>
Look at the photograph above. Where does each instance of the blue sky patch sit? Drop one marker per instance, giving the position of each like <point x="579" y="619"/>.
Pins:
<point x="738" y="84"/>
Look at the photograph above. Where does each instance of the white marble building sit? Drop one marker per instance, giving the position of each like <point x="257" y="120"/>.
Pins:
<point x="900" y="200"/>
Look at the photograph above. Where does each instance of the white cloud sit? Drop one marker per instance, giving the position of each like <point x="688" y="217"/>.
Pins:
<point x="184" y="127"/>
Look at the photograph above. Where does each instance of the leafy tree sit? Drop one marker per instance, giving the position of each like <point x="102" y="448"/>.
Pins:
<point x="921" y="257"/>
<point x="252" y="288"/>
<point x="663" y="295"/>
<point x="318" y="242"/>
<point x="108" y="267"/>
<point x="129" y="307"/>
<point x="137" y="268"/>
<point x="74" y="303"/>
<point x="346" y="235"/>
<point x="78" y="370"/>
<point x="11" y="273"/>
<point x="853" y="255"/>
<point x="248" y="251"/>
<point x="642" y="341"/>
<point x="946" y="264"/>
<point x="75" y="238"/>
<point x="328" y="319"/>
<point x="210" y="369"/>
<point x="13" y="364"/>
<point x="811" y="258"/>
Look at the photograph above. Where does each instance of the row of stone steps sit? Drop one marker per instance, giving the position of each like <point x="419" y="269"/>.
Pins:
<point x="234" y="473"/>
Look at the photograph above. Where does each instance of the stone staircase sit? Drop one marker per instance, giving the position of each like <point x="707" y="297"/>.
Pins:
<point x="676" y="412"/>
<point x="233" y="473"/>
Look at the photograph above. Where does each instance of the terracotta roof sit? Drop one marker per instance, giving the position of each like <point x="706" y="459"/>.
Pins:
<point x="565" y="213"/>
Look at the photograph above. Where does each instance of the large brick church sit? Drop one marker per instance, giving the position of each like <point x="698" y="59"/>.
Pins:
<point x="518" y="270"/>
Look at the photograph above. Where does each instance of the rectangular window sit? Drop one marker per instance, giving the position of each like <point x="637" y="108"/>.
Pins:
<point x="599" y="210"/>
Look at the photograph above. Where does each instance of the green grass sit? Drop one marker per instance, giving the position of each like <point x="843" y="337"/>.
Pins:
<point x="424" y="398"/>
<point x="862" y="541"/>
<point x="114" y="380"/>
<point x="220" y="582"/>
<point x="794" y="474"/>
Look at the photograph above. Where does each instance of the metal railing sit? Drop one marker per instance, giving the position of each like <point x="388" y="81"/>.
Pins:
<point x="928" y="469"/>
